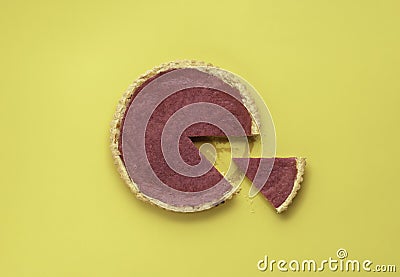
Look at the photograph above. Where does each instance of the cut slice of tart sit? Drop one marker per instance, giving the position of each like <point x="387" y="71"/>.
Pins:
<point x="283" y="182"/>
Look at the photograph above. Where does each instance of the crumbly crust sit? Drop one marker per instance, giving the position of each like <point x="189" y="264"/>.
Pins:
<point x="300" y="165"/>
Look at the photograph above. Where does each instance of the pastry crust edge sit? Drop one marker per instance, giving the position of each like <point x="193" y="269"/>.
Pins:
<point x="300" y="165"/>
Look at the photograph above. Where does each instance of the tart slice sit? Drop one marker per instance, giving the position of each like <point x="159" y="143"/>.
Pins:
<point x="283" y="182"/>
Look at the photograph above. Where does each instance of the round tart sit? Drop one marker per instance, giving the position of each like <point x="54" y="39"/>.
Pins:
<point x="218" y="107"/>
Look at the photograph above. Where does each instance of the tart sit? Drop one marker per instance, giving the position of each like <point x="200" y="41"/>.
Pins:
<point x="283" y="182"/>
<point x="137" y="133"/>
<point x="156" y="120"/>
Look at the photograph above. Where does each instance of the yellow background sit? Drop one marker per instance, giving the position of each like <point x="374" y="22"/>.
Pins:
<point x="328" y="70"/>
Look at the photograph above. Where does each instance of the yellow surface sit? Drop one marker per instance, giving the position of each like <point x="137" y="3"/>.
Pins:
<point x="328" y="70"/>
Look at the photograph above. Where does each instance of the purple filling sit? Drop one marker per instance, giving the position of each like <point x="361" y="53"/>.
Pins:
<point x="188" y="151"/>
<point x="220" y="94"/>
<point x="280" y="183"/>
